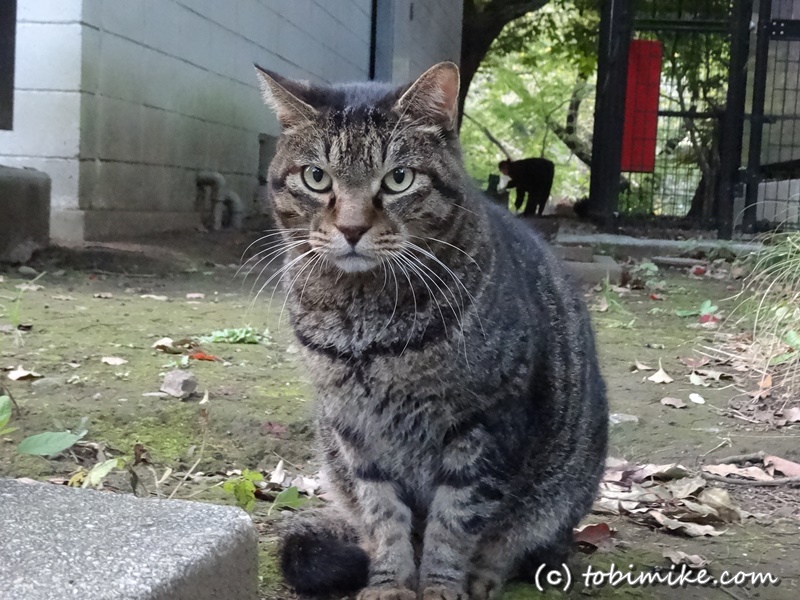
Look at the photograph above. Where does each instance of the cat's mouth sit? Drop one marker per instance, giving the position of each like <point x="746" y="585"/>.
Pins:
<point x="353" y="261"/>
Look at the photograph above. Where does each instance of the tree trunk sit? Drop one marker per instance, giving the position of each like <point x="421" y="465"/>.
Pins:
<point x="482" y="23"/>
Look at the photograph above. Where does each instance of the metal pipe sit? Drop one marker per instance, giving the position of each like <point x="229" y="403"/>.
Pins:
<point x="221" y="197"/>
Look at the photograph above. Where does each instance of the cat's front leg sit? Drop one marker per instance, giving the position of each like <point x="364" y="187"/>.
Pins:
<point x="466" y="498"/>
<point x="386" y="524"/>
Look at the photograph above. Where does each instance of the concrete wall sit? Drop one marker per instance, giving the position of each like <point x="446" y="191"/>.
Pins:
<point x="122" y="102"/>
<point x="413" y="35"/>
<point x="170" y="89"/>
<point x="47" y="97"/>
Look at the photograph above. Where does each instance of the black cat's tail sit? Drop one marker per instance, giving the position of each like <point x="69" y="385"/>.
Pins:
<point x="319" y="554"/>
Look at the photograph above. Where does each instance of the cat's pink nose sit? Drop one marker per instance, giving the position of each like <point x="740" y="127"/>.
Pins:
<point x="353" y="233"/>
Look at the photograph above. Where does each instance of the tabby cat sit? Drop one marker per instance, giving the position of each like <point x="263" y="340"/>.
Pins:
<point x="460" y="415"/>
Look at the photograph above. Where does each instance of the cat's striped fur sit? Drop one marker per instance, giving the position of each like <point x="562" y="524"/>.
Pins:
<point x="460" y="414"/>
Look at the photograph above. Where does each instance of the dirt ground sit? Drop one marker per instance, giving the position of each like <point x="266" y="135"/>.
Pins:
<point x="108" y="301"/>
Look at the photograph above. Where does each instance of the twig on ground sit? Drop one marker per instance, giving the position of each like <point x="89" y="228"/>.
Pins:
<point x="742" y="458"/>
<point x="725" y="442"/>
<point x="788" y="481"/>
<point x="8" y="393"/>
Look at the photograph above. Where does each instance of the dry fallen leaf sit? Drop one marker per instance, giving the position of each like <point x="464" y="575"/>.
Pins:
<point x="690" y="529"/>
<point x="115" y="361"/>
<point x="697" y="398"/>
<point x="595" y="535"/>
<point x="153" y="297"/>
<point x="103" y="295"/>
<point x="746" y="472"/>
<point x="29" y="287"/>
<point x="695" y="363"/>
<point x="660" y="376"/>
<point x="638" y="366"/>
<point x="685" y="486"/>
<point x="601" y="305"/>
<point x="695" y="379"/>
<point x="278" y="474"/>
<point x="787" y="467"/>
<point x="792" y="415"/>
<point x="678" y="557"/>
<point x="720" y="500"/>
<point x="674" y="402"/>
<point x="20" y="374"/>
<point x="667" y="471"/>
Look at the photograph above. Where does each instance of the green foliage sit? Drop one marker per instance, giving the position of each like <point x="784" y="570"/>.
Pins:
<point x="243" y="488"/>
<point x="49" y="443"/>
<point x="542" y="68"/>
<point x="289" y="498"/>
<point x="5" y="415"/>
<point x="524" y="87"/>
<point x="94" y="478"/>
<point x="706" y="308"/>
<point x="241" y="335"/>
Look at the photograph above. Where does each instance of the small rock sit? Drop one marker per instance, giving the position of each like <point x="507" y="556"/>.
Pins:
<point x="617" y="418"/>
<point x="27" y="271"/>
<point x="49" y="382"/>
<point x="179" y="383"/>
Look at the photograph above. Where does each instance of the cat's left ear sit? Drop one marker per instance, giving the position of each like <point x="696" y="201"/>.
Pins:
<point x="284" y="96"/>
<point x="434" y="95"/>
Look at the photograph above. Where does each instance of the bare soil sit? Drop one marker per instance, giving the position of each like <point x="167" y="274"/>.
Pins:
<point x="91" y="306"/>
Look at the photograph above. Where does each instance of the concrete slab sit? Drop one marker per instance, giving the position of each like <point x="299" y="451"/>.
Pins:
<point x="24" y="213"/>
<point x="596" y="271"/>
<point x="625" y="246"/>
<point x="584" y="254"/>
<point x="58" y="543"/>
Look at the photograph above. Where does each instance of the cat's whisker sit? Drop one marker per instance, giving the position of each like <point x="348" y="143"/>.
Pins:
<point x="290" y="287"/>
<point x="320" y="259"/>
<point x="414" y="296"/>
<point x="409" y="262"/>
<point x="453" y="246"/>
<point x="388" y="262"/>
<point x="263" y="254"/>
<point x="459" y="316"/>
<point x="270" y="233"/>
<point x="452" y="274"/>
<point x="275" y="253"/>
<point x="280" y="272"/>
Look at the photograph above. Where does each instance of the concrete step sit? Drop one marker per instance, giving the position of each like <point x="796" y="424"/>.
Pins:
<point x="596" y="271"/>
<point x="58" y="542"/>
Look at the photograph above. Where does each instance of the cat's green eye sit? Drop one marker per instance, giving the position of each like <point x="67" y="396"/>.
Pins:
<point x="317" y="179"/>
<point x="398" y="180"/>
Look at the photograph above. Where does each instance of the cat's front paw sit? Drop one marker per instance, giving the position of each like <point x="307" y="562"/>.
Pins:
<point x="484" y="586"/>
<point x="440" y="592"/>
<point x="387" y="593"/>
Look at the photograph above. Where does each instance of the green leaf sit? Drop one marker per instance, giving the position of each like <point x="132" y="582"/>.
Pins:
<point x="687" y="313"/>
<point x="707" y="308"/>
<point x="5" y="411"/>
<point x="48" y="443"/>
<point x="792" y="339"/>
<point x="8" y="430"/>
<point x="783" y="358"/>
<point x="288" y="498"/>
<point x="95" y="476"/>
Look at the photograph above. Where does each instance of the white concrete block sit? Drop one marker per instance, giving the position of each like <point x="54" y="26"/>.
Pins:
<point x="45" y="124"/>
<point x="48" y="56"/>
<point x="49" y="11"/>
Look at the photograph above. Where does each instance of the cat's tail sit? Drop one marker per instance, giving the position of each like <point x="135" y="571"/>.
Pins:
<point x="319" y="554"/>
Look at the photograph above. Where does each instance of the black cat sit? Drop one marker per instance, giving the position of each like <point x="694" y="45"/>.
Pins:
<point x="532" y="177"/>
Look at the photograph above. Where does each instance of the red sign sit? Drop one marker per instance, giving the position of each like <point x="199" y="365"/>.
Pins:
<point x="641" y="107"/>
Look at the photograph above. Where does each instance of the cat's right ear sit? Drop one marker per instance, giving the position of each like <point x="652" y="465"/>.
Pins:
<point x="283" y="96"/>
